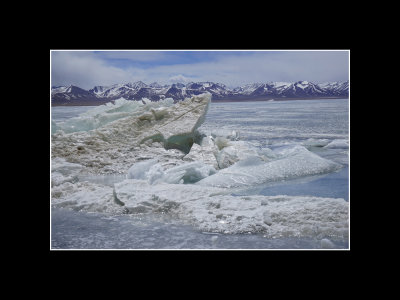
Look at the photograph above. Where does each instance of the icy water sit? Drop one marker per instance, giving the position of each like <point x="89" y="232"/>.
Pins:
<point x="322" y="126"/>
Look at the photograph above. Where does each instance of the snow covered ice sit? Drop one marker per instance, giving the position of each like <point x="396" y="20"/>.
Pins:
<point x="165" y="162"/>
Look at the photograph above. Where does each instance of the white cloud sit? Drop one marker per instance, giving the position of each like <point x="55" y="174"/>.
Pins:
<point x="86" y="69"/>
<point x="234" y="70"/>
<point x="179" y="78"/>
<point x="136" y="56"/>
<point x="263" y="66"/>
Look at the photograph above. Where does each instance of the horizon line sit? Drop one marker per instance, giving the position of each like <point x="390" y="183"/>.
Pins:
<point x="290" y="82"/>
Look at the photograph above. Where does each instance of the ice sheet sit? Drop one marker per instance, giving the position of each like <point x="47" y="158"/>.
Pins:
<point x="172" y="169"/>
<point x="291" y="163"/>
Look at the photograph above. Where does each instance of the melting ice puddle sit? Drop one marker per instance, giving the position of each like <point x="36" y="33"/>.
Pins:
<point x="81" y="230"/>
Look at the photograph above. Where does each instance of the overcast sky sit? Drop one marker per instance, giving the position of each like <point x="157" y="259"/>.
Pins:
<point x="87" y="69"/>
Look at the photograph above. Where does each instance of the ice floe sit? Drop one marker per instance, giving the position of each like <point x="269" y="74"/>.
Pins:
<point x="173" y="168"/>
<point x="145" y="132"/>
<point x="154" y="173"/>
<point x="292" y="162"/>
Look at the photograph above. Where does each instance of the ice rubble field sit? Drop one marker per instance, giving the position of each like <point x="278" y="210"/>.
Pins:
<point x="168" y="166"/>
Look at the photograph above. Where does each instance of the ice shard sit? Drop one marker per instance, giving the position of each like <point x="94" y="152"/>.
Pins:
<point x="147" y="133"/>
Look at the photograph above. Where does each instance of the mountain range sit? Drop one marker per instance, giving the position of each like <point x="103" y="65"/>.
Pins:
<point x="73" y="95"/>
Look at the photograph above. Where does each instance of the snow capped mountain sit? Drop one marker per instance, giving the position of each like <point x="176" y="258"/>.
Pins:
<point x="302" y="89"/>
<point x="70" y="93"/>
<point x="335" y="88"/>
<point x="247" y="89"/>
<point x="111" y="91"/>
<point x="155" y="85"/>
<point x="218" y="90"/>
<point x="98" y="90"/>
<point x="294" y="90"/>
<point x="136" y="85"/>
<point x="58" y="89"/>
<point x="179" y="91"/>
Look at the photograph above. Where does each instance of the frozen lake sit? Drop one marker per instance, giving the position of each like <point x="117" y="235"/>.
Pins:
<point x="321" y="126"/>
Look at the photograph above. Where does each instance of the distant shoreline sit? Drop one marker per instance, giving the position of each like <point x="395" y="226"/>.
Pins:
<point x="91" y="103"/>
<point x="277" y="99"/>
